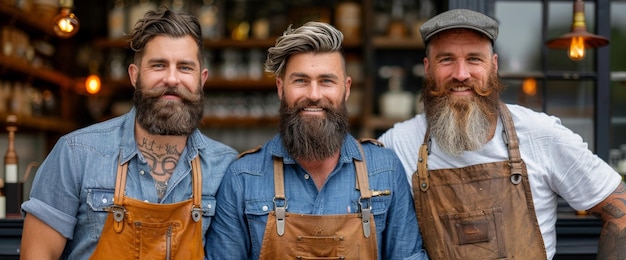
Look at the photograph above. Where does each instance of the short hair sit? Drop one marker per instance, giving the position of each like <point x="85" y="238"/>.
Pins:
<point x="167" y="23"/>
<point x="317" y="37"/>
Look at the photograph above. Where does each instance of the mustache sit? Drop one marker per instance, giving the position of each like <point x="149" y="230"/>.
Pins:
<point x="183" y="93"/>
<point x="448" y="86"/>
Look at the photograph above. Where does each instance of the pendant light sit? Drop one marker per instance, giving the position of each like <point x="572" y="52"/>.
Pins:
<point x="578" y="39"/>
<point x="65" y="24"/>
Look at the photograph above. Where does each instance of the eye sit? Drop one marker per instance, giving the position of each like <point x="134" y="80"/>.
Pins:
<point x="186" y="68"/>
<point x="158" y="65"/>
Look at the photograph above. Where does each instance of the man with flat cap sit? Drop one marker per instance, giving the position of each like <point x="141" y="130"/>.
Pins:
<point x="486" y="175"/>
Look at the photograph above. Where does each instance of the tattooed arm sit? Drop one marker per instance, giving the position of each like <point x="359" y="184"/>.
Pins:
<point x="612" y="212"/>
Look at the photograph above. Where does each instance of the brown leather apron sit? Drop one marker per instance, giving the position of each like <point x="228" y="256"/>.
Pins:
<point x="482" y="211"/>
<point x="140" y="230"/>
<point x="302" y="236"/>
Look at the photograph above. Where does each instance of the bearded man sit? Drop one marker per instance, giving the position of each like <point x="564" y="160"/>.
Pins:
<point x="142" y="184"/>
<point x="486" y="175"/>
<point x="313" y="191"/>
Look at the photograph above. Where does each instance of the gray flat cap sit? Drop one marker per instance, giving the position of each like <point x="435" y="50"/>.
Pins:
<point x="460" y="18"/>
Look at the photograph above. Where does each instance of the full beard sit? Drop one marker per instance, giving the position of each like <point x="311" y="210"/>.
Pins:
<point x="311" y="137"/>
<point x="168" y="117"/>
<point x="461" y="124"/>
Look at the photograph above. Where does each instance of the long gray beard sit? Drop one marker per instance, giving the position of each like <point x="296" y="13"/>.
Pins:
<point x="458" y="127"/>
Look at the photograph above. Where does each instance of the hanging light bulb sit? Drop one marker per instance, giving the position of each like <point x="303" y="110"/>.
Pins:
<point x="65" y="24"/>
<point x="578" y="39"/>
<point x="93" y="83"/>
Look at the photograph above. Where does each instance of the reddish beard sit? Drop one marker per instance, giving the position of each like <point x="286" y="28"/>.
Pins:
<point x="461" y="124"/>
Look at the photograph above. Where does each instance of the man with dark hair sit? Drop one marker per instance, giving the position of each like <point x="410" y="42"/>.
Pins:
<point x="143" y="184"/>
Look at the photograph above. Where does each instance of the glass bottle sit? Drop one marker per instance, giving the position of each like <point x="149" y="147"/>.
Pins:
<point x="117" y="20"/>
<point x="12" y="188"/>
<point x="395" y="103"/>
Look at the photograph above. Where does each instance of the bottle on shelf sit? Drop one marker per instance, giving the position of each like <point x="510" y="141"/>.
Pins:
<point x="3" y="200"/>
<point x="117" y="20"/>
<point x="395" y="103"/>
<point x="12" y="187"/>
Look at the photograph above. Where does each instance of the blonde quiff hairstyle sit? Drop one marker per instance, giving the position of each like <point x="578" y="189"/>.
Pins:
<point x="316" y="37"/>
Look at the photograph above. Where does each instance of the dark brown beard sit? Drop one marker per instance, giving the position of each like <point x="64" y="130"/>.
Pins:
<point x="161" y="117"/>
<point x="311" y="137"/>
<point x="461" y="124"/>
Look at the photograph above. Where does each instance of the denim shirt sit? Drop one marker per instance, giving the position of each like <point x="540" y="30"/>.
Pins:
<point x="75" y="183"/>
<point x="245" y="199"/>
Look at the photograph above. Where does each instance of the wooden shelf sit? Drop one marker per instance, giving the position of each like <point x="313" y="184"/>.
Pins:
<point x="383" y="42"/>
<point x="17" y="16"/>
<point x="23" y="67"/>
<point x="42" y="123"/>
<point x="213" y="84"/>
<point x="123" y="43"/>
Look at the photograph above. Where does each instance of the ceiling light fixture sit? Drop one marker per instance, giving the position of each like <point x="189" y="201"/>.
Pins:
<point x="578" y="39"/>
<point x="65" y="24"/>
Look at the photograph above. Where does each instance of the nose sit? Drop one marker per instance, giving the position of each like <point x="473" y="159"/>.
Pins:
<point x="314" y="91"/>
<point x="171" y="77"/>
<point x="461" y="72"/>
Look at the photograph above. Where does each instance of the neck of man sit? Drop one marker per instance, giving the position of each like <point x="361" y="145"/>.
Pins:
<point x="319" y="170"/>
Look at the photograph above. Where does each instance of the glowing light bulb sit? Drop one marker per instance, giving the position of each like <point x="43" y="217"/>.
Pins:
<point x="529" y="87"/>
<point x="92" y="84"/>
<point x="577" y="48"/>
<point x="65" y="24"/>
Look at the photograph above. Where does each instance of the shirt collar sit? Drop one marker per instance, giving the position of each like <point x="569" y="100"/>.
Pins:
<point x="349" y="150"/>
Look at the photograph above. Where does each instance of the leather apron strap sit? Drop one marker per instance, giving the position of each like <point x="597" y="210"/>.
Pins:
<point x="153" y="231"/>
<point x="344" y="236"/>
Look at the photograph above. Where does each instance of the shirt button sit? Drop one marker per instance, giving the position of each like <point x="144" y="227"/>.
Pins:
<point x="209" y="205"/>
<point x="104" y="200"/>
<point x="145" y="201"/>
<point x="265" y="208"/>
<point x="141" y="172"/>
<point x="306" y="176"/>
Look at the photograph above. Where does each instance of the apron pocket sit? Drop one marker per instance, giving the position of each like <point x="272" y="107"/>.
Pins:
<point x="475" y="233"/>
<point x="320" y="247"/>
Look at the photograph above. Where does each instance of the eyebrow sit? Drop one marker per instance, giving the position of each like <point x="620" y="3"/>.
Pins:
<point x="471" y="54"/>
<point x="181" y="62"/>
<point x="304" y="75"/>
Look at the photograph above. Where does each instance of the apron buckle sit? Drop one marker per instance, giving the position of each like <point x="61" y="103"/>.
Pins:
<point x="118" y="212"/>
<point x="280" y="212"/>
<point x="196" y="214"/>
<point x="365" y="216"/>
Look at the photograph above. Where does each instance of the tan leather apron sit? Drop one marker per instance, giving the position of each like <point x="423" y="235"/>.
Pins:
<point x="482" y="211"/>
<point x="302" y="236"/>
<point x="140" y="230"/>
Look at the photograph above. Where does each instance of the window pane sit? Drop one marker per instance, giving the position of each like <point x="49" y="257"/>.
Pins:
<point x="519" y="40"/>
<point x="572" y="101"/>
<point x="527" y="92"/>
<point x="618" y="73"/>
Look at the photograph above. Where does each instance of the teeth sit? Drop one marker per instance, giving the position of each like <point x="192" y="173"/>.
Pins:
<point x="313" y="109"/>
<point x="460" y="88"/>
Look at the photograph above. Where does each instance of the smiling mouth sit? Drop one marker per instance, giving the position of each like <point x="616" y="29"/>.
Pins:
<point x="313" y="109"/>
<point x="460" y="89"/>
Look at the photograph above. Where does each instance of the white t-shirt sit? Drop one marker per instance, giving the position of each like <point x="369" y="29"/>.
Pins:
<point x="557" y="160"/>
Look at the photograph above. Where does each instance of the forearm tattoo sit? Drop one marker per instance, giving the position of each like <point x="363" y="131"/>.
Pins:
<point x="162" y="159"/>
<point x="612" y="243"/>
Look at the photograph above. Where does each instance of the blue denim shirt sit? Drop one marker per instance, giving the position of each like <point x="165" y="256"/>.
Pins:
<point x="245" y="199"/>
<point x="75" y="183"/>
